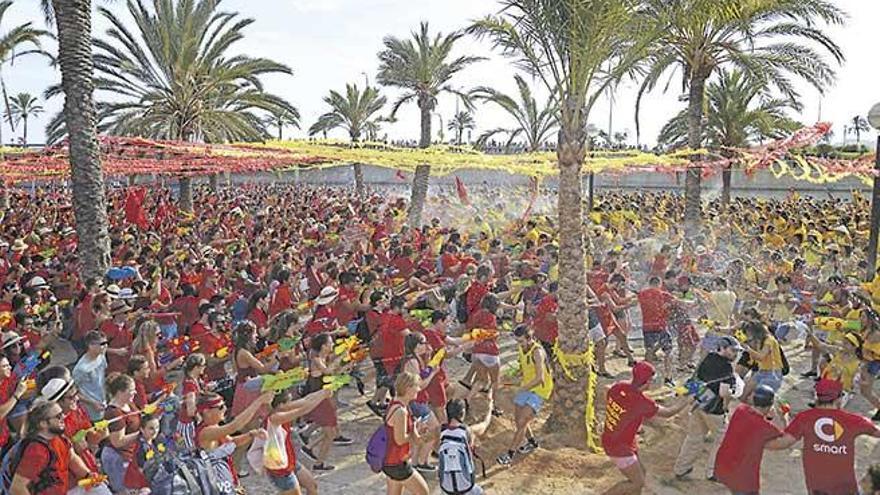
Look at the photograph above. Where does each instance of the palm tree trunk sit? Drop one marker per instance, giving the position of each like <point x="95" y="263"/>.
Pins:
<point x="692" y="208"/>
<point x="214" y="181"/>
<point x="425" y="107"/>
<point x="359" y="179"/>
<point x="24" y="132"/>
<point x="73" y="19"/>
<point x="185" y="198"/>
<point x="419" y="193"/>
<point x="132" y="180"/>
<point x="568" y="400"/>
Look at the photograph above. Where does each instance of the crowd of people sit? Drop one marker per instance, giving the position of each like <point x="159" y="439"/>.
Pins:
<point x="215" y="345"/>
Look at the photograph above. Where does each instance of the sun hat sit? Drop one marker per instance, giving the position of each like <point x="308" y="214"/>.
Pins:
<point x="727" y="341"/>
<point x="10" y="339"/>
<point x="67" y="231"/>
<point x="643" y="372"/>
<point x="763" y="396"/>
<point x="328" y="295"/>
<point x="3" y="244"/>
<point x="19" y="245"/>
<point x="112" y="290"/>
<point x="828" y="390"/>
<point x="55" y="389"/>
<point x="119" y="306"/>
<point x="37" y="282"/>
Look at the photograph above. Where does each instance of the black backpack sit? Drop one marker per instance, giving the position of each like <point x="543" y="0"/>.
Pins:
<point x="13" y="457"/>
<point x="786" y="369"/>
<point x="461" y="309"/>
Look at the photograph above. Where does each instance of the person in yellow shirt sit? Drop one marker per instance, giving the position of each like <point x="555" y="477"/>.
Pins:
<point x="772" y="239"/>
<point x="766" y="353"/>
<point x="871" y="356"/>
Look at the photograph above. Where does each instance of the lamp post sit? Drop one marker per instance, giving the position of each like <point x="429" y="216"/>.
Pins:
<point x="874" y="120"/>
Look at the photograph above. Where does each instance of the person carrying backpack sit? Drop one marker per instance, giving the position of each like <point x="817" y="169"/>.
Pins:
<point x="43" y="461"/>
<point x="402" y="432"/>
<point x="457" y="472"/>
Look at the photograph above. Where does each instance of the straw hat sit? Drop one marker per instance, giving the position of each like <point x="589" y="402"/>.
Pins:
<point x="10" y="339"/>
<point x="118" y="306"/>
<point x="19" y="246"/>
<point x="55" y="389"/>
<point x="328" y="295"/>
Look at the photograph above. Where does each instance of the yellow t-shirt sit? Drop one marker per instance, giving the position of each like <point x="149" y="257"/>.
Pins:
<point x="842" y="369"/>
<point x="773" y="360"/>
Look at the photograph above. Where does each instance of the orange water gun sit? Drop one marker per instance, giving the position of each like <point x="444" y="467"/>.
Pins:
<point x="267" y="351"/>
<point x="480" y="334"/>
<point x="92" y="481"/>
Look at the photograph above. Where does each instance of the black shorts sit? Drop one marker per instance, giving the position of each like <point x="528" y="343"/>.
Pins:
<point x="399" y="472"/>
<point x="655" y="341"/>
<point x="381" y="374"/>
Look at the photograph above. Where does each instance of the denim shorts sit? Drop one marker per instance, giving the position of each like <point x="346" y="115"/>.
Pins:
<point x="658" y="340"/>
<point x="419" y="410"/>
<point x="284" y="483"/>
<point x="873" y="368"/>
<point x="525" y="398"/>
<point x="772" y="379"/>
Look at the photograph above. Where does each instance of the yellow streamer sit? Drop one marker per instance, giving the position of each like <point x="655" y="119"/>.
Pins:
<point x="586" y="359"/>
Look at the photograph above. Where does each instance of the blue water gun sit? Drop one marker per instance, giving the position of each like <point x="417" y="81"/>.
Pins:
<point x="29" y="364"/>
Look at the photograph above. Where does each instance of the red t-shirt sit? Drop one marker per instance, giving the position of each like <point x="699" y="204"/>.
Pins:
<point x="404" y="266"/>
<point x="545" y="323"/>
<point x="738" y="463"/>
<point x="258" y="317"/>
<point x="487" y="321"/>
<point x="625" y="409"/>
<point x="189" y="386"/>
<point x="85" y="321"/>
<point x="392" y="335"/>
<point x="281" y="300"/>
<point x="128" y="426"/>
<point x="324" y="320"/>
<point x="654" y="303"/>
<point x="119" y="337"/>
<point x="188" y="307"/>
<point x="38" y="457"/>
<point x="74" y="422"/>
<point x="7" y="388"/>
<point x="475" y="295"/>
<point x="829" y="448"/>
<point x="197" y="330"/>
<point x="347" y="296"/>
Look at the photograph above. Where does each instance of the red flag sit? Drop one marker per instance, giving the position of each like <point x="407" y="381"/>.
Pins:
<point x="400" y="175"/>
<point x="134" y="207"/>
<point x="462" y="191"/>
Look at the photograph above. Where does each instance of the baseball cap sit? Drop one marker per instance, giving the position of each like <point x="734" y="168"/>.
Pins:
<point x="827" y="390"/>
<point x="727" y="341"/>
<point x="763" y="396"/>
<point x="643" y="372"/>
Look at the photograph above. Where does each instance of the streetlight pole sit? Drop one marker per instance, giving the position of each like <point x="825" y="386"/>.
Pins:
<point x="366" y="79"/>
<point x="874" y="119"/>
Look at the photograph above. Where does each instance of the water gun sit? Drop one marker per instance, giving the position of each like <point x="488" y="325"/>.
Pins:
<point x="305" y="306"/>
<point x="832" y="324"/>
<point x="357" y="355"/>
<point x="279" y="381"/>
<point x="784" y="406"/>
<point x="346" y="345"/>
<point x="96" y="426"/>
<point x="267" y="352"/>
<point x="437" y="358"/>
<point x="221" y="384"/>
<point x="512" y="370"/>
<point x="335" y="382"/>
<point x="153" y="407"/>
<point x="423" y="315"/>
<point x="29" y="364"/>
<point x="691" y="387"/>
<point x="222" y="353"/>
<point x="287" y="343"/>
<point x="92" y="481"/>
<point x="178" y="347"/>
<point x="480" y="334"/>
<point x="30" y="384"/>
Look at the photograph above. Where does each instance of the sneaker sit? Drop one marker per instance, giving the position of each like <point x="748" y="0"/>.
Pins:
<point x="809" y="374"/>
<point x="308" y="453"/>
<point x="530" y="446"/>
<point x="323" y="467"/>
<point x="341" y="440"/>
<point x="505" y="459"/>
<point x="426" y="468"/>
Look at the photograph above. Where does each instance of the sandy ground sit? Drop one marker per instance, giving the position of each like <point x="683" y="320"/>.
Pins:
<point x="550" y="470"/>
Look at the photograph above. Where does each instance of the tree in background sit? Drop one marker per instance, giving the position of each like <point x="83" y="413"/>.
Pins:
<point x="858" y="125"/>
<point x="355" y="112"/>
<point x="769" y="40"/>
<point x="423" y="68"/>
<point x="174" y="77"/>
<point x="739" y="112"/>
<point x="22" y="107"/>
<point x="282" y="118"/>
<point x="535" y="123"/>
<point x="461" y="122"/>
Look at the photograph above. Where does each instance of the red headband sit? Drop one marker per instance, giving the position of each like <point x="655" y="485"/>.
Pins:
<point x="210" y="404"/>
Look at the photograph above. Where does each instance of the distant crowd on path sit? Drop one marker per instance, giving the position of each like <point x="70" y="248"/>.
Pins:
<point x="215" y="345"/>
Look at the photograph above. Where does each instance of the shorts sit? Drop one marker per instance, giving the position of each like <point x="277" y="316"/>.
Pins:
<point x="596" y="334"/>
<point x="658" y="341"/>
<point x="772" y="379"/>
<point x="873" y="368"/>
<point x="488" y="360"/>
<point x="399" y="472"/>
<point x="525" y="398"/>
<point x="419" y="410"/>
<point x="382" y="378"/>
<point x="625" y="462"/>
<point x="284" y="483"/>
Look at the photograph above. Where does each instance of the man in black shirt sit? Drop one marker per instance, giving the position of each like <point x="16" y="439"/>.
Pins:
<point x="709" y="416"/>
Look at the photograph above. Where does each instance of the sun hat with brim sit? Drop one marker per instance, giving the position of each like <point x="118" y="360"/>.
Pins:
<point x="113" y="291"/>
<point x="327" y="296"/>
<point x="127" y="293"/>
<point x="10" y="339"/>
<point x="37" y="282"/>
<point x="4" y="244"/>
<point x="67" y="231"/>
<point x="19" y="245"/>
<point x="119" y="306"/>
<point x="56" y="389"/>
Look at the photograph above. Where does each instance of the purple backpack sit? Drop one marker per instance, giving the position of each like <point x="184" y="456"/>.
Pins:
<point x="377" y="447"/>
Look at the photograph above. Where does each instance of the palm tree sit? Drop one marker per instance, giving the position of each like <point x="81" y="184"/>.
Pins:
<point x="739" y="112"/>
<point x="620" y="138"/>
<point x="73" y="19"/>
<point x="282" y="118"/>
<point x="568" y="46"/>
<point x="535" y="122"/>
<point x="423" y="68"/>
<point x="859" y="125"/>
<point x="460" y="122"/>
<point x="22" y="107"/>
<point x="769" y="40"/>
<point x="355" y="112"/>
<point x="174" y="78"/>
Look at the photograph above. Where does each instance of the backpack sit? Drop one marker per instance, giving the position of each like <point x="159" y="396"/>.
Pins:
<point x="456" y="468"/>
<point x="786" y="369"/>
<point x="362" y="330"/>
<point x="13" y="457"/>
<point x="188" y="474"/>
<point x="377" y="447"/>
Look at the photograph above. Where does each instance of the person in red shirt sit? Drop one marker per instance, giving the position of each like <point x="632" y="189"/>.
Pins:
<point x="393" y="331"/>
<point x="285" y="411"/>
<point x="347" y="305"/>
<point x="50" y="469"/>
<point x="654" y="303"/>
<point x="626" y="408"/>
<point x="486" y="354"/>
<point x="282" y="297"/>
<point x="119" y="337"/>
<point x="11" y="390"/>
<point x="403" y="265"/>
<point x="829" y="435"/>
<point x="545" y="324"/>
<point x="187" y="307"/>
<point x="478" y="289"/>
<point x="749" y="432"/>
<point x="403" y="432"/>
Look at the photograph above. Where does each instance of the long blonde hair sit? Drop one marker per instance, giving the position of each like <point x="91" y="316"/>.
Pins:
<point x="406" y="381"/>
<point x="146" y="336"/>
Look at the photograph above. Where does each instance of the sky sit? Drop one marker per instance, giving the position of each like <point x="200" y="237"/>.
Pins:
<point x="329" y="43"/>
